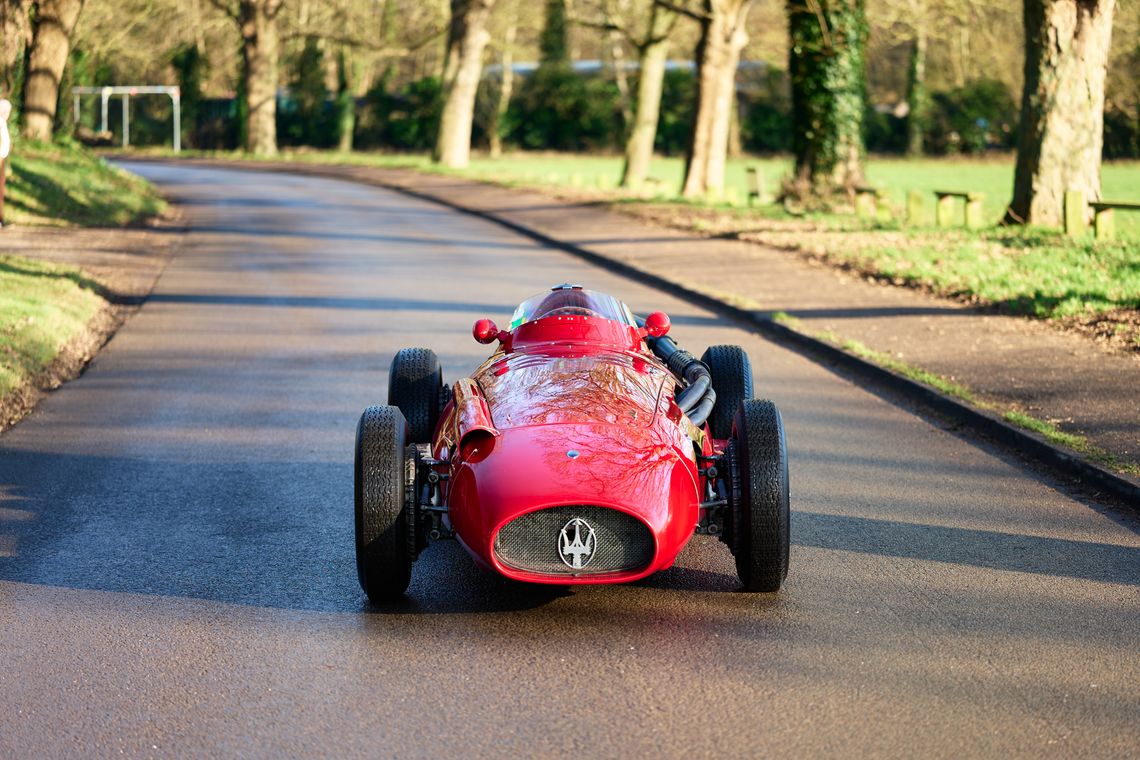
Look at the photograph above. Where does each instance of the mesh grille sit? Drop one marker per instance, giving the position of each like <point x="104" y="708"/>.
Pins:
<point x="531" y="542"/>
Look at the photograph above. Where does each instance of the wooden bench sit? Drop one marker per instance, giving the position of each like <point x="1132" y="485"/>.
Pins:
<point x="871" y="203"/>
<point x="973" y="208"/>
<point x="1104" y="225"/>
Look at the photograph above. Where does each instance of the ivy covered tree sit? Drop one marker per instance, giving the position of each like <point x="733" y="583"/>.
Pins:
<point x="827" y="71"/>
<point x="917" y="95"/>
<point x="15" y="35"/>
<point x="1062" y="106"/>
<point x="345" y="102"/>
<point x="309" y="93"/>
<point x="190" y="68"/>
<point x="553" y="49"/>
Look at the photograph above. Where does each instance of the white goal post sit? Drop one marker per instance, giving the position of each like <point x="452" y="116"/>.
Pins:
<point x="126" y="92"/>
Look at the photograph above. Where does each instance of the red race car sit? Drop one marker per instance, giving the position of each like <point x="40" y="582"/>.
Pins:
<point x="587" y="449"/>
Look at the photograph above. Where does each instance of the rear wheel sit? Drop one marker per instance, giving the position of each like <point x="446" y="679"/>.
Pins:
<point x="415" y="385"/>
<point x="732" y="380"/>
<point x="385" y="502"/>
<point x="761" y="514"/>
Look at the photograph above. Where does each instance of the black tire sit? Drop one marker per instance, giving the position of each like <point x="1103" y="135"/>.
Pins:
<point x="415" y="385"/>
<point x="732" y="380"/>
<point x="761" y="513"/>
<point x="385" y="541"/>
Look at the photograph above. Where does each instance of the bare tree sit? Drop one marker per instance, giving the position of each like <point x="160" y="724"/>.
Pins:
<point x="257" y="22"/>
<point x="466" y="40"/>
<point x="652" y="55"/>
<point x="53" y="23"/>
<point x="506" y="79"/>
<point x="651" y="41"/>
<point x="723" y="36"/>
<point x="1062" y="106"/>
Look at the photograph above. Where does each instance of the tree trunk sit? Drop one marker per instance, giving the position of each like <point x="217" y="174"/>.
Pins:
<point x="15" y="35"/>
<point x="1062" y="107"/>
<point x="917" y="97"/>
<point x="258" y="22"/>
<point x="467" y="39"/>
<point x="826" y="67"/>
<point x="639" y="146"/>
<point x="735" y="138"/>
<point x="507" y="83"/>
<point x="718" y="54"/>
<point x="345" y="99"/>
<point x="439" y="53"/>
<point x="51" y="42"/>
<point x="621" y="79"/>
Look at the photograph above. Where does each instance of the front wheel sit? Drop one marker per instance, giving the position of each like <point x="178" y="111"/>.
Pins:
<point x="415" y="386"/>
<point x="761" y="513"/>
<point x="731" y="373"/>
<point x="385" y="524"/>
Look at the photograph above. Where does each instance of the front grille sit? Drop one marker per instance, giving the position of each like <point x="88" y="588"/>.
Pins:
<point x="533" y="542"/>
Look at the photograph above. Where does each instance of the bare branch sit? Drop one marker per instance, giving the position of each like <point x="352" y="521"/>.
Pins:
<point x="606" y="26"/>
<point x="384" y="51"/>
<point x="226" y="7"/>
<point x="692" y="13"/>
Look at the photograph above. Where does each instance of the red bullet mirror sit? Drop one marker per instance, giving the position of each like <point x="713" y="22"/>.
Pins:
<point x="485" y="331"/>
<point x="657" y="324"/>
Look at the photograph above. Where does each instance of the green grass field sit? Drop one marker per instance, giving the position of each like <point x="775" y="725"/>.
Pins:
<point x="1030" y="271"/>
<point x="992" y="176"/>
<point x="67" y="185"/>
<point x="42" y="307"/>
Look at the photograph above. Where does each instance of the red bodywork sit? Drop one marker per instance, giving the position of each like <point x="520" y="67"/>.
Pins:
<point x="572" y="410"/>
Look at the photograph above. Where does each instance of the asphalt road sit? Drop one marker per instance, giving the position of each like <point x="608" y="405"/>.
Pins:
<point x="176" y="562"/>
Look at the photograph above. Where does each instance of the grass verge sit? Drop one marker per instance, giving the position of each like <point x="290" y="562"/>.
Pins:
<point x="1079" y="444"/>
<point x="52" y="316"/>
<point x="42" y="308"/>
<point x="66" y="185"/>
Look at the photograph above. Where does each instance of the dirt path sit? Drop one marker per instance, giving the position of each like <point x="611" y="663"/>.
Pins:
<point x="125" y="262"/>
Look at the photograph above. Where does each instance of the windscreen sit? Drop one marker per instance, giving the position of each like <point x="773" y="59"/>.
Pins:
<point x="572" y="302"/>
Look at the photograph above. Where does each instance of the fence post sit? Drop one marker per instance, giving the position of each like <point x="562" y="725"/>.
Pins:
<point x="1105" y="227"/>
<point x="126" y="120"/>
<point x="883" y="212"/>
<point x="1075" y="212"/>
<point x="974" y="210"/>
<point x="915" y="213"/>
<point x="176" y="97"/>
<point x="756" y="189"/>
<point x="945" y="211"/>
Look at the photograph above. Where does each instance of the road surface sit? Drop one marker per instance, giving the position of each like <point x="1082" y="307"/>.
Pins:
<point x="176" y="554"/>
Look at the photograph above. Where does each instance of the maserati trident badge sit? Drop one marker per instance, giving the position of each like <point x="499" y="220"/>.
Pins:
<point x="576" y="543"/>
